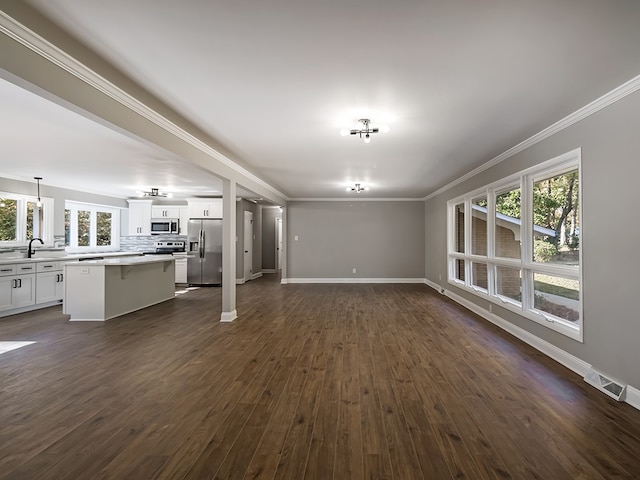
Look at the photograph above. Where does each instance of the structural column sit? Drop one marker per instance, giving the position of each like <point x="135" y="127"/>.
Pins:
<point x="229" y="312"/>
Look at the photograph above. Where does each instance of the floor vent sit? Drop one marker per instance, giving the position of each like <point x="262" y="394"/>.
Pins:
<point x="610" y="387"/>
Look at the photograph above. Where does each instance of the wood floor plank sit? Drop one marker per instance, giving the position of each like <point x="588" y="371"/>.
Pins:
<point x="311" y="381"/>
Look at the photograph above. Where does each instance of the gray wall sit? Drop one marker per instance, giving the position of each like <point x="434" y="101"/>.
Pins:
<point x="380" y="239"/>
<point x="610" y="231"/>
<point x="269" y="216"/>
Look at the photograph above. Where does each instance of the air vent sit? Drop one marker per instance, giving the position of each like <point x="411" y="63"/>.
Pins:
<point x="612" y="388"/>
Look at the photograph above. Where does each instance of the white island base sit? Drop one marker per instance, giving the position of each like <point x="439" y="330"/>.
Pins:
<point x="98" y="290"/>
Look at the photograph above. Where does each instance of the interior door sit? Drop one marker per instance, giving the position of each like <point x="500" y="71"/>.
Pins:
<point x="278" y="243"/>
<point x="248" y="245"/>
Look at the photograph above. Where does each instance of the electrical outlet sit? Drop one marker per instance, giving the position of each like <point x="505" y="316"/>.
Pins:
<point x="354" y="269"/>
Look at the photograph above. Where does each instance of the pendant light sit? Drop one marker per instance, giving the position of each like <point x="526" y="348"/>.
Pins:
<point x="39" y="202"/>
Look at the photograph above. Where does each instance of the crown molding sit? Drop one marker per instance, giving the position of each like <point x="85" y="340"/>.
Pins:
<point x="28" y="38"/>
<point x="607" y="99"/>
<point x="293" y="199"/>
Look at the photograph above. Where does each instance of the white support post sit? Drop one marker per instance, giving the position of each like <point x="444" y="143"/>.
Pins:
<point x="229" y="312"/>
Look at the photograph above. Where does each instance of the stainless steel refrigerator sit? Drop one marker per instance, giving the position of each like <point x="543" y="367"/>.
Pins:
<point x="204" y="252"/>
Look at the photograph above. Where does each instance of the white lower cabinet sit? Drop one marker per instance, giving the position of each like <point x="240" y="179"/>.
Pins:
<point x="49" y="282"/>
<point x="49" y="287"/>
<point x="181" y="269"/>
<point x="17" y="291"/>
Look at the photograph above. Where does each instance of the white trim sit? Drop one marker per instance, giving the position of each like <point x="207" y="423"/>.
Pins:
<point x="355" y="199"/>
<point x="269" y="270"/>
<point x="226" y="317"/>
<point x="239" y="281"/>
<point x="352" y="280"/>
<point x="55" y="55"/>
<point x="604" y="101"/>
<point x="632" y="397"/>
<point x="256" y="275"/>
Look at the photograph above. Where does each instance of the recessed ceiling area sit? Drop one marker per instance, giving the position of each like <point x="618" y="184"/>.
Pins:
<point x="458" y="83"/>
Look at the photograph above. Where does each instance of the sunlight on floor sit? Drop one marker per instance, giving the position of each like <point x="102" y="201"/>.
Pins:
<point x="8" y="346"/>
<point x="186" y="290"/>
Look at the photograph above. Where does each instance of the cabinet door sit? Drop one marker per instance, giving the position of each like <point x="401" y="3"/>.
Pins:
<point x="49" y="287"/>
<point x="211" y="208"/>
<point x="139" y="217"/>
<point x="23" y="293"/>
<point x="181" y="270"/>
<point x="168" y="211"/>
<point x="6" y="289"/>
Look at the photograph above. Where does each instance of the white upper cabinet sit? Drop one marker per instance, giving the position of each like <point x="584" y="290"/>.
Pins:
<point x="139" y="217"/>
<point x="165" y="211"/>
<point x="205" y="208"/>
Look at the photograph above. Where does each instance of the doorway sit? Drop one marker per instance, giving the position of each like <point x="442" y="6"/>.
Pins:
<point x="248" y="245"/>
<point x="278" y="244"/>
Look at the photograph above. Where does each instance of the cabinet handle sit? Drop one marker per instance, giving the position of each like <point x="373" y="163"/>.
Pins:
<point x="6" y="270"/>
<point x="47" y="266"/>
<point x="15" y="283"/>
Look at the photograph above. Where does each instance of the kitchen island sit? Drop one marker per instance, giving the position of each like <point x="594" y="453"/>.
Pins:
<point x="97" y="290"/>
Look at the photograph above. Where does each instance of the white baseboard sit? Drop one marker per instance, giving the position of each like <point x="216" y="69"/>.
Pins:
<point x="256" y="275"/>
<point x="352" y="280"/>
<point x="632" y="397"/>
<point x="269" y="270"/>
<point x="572" y="362"/>
<point x="239" y="281"/>
<point x="228" y="316"/>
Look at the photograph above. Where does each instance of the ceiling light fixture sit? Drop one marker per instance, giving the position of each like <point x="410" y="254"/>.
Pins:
<point x="365" y="130"/>
<point x="154" y="192"/>
<point x="357" y="188"/>
<point x="39" y="202"/>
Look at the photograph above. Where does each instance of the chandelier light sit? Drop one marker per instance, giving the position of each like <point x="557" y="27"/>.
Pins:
<point x="155" y="192"/>
<point x="365" y="130"/>
<point x="357" y="188"/>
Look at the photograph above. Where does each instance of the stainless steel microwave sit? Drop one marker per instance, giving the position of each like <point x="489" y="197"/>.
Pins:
<point x="165" y="226"/>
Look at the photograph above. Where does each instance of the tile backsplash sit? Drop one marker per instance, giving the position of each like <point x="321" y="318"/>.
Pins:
<point x="139" y="243"/>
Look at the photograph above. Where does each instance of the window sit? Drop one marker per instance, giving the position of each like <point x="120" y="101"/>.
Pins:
<point x="523" y="243"/>
<point x="91" y="227"/>
<point x="21" y="219"/>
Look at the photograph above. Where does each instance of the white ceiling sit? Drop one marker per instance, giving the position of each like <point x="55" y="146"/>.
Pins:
<point x="458" y="82"/>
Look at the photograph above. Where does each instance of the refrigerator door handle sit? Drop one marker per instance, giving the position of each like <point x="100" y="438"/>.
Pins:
<point x="201" y="244"/>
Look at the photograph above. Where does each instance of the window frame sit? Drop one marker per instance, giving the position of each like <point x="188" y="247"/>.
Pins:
<point x="93" y="209"/>
<point x="46" y="233"/>
<point x="525" y="179"/>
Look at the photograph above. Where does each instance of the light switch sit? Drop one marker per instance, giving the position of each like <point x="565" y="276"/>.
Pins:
<point x="295" y="238"/>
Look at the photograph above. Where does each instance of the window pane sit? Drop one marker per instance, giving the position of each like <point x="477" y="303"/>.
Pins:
<point x="459" y="228"/>
<point x="8" y="219"/>
<point x="508" y="282"/>
<point x="479" y="275"/>
<point x="103" y="228"/>
<point x="83" y="228"/>
<point x="556" y="217"/>
<point x="67" y="227"/>
<point x="459" y="270"/>
<point x="507" y="233"/>
<point x="479" y="226"/>
<point x="557" y="296"/>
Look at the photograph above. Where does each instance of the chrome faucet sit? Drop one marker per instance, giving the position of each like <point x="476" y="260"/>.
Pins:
<point x="29" y="251"/>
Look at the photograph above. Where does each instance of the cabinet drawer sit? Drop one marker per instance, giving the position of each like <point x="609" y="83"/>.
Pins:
<point x="6" y="270"/>
<point x="22" y="268"/>
<point x="48" y="267"/>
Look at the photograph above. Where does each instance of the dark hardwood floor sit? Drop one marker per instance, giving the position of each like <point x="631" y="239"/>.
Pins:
<point x="312" y="381"/>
